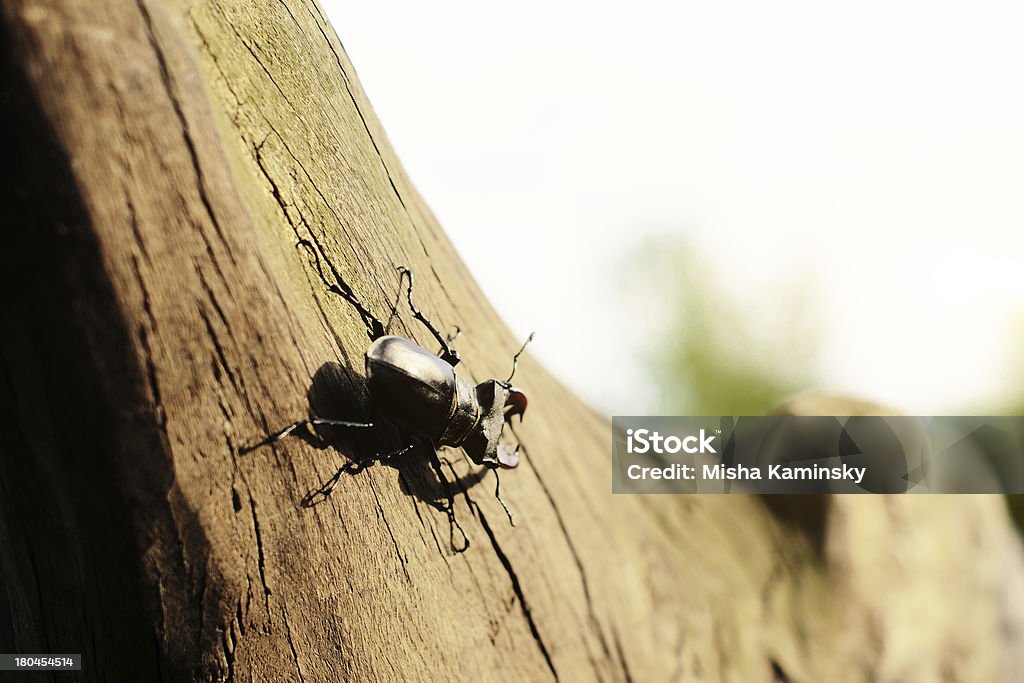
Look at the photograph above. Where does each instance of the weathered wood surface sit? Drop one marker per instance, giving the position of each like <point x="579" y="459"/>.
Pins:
<point x="165" y="159"/>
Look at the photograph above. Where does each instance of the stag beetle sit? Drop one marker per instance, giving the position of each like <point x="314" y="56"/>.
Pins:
<point x="420" y="391"/>
<point x="421" y="394"/>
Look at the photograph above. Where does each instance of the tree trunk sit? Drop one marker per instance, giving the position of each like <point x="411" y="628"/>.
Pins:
<point x="162" y="162"/>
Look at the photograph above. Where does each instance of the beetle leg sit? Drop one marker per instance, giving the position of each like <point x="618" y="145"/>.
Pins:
<point x="453" y="522"/>
<point x="319" y="495"/>
<point x="277" y="436"/>
<point x="450" y="337"/>
<point x="448" y="354"/>
<point x="356" y="466"/>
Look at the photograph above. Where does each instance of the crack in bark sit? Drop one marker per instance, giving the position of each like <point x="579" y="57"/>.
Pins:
<point x="151" y="374"/>
<point x="355" y="105"/>
<point x="518" y="589"/>
<point x="505" y="563"/>
<point x="219" y="350"/>
<point x="423" y="523"/>
<point x="394" y="541"/>
<point x="294" y="20"/>
<point x="591" y="611"/>
<point x="261" y="557"/>
<point x="622" y="657"/>
<point x="147" y="349"/>
<point x="349" y="239"/>
<point x="780" y="675"/>
<point x="216" y="64"/>
<point x="168" y="82"/>
<point x="240" y="619"/>
<point x="213" y="299"/>
<point x="255" y="56"/>
<point x="279" y="198"/>
<point x="291" y="643"/>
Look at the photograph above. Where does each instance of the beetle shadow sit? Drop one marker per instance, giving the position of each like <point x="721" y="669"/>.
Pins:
<point x="338" y="392"/>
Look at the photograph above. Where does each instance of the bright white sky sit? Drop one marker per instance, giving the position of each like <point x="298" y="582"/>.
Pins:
<point x="877" y="147"/>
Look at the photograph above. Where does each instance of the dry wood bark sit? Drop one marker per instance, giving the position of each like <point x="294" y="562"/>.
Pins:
<point x="164" y="160"/>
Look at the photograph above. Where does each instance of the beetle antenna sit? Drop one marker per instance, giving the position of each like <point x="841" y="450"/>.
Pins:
<point x="448" y="354"/>
<point x="373" y="325"/>
<point x="497" y="494"/>
<point x="515" y="358"/>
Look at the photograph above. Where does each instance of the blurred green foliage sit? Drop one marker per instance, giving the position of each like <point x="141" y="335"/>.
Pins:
<point x="720" y="351"/>
<point x="725" y="351"/>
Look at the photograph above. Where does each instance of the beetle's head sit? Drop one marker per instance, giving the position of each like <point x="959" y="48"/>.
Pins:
<point x="499" y="402"/>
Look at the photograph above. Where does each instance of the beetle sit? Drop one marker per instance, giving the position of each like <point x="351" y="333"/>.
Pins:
<point x="421" y="393"/>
